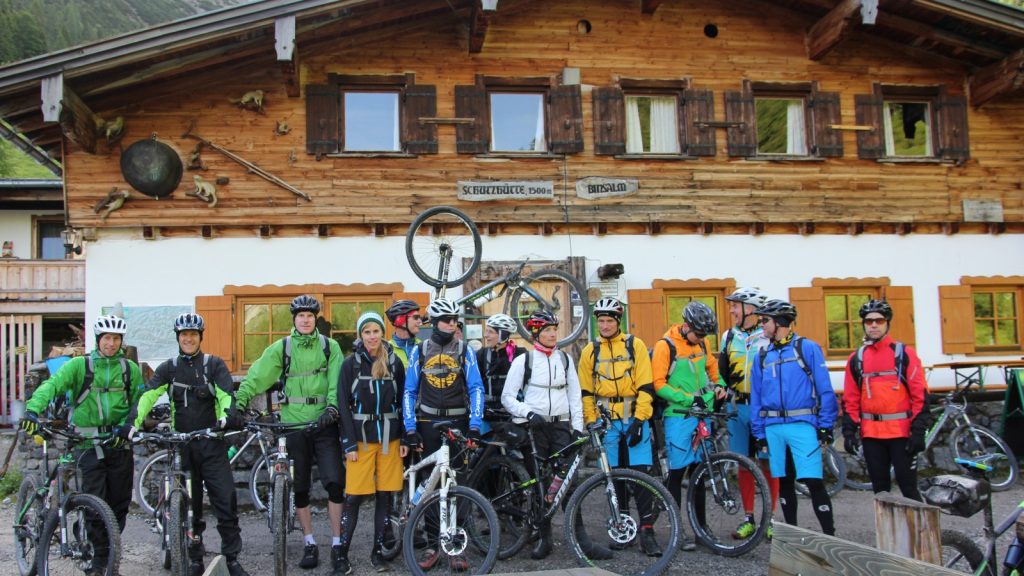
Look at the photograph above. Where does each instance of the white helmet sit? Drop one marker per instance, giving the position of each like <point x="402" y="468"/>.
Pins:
<point x="751" y="296"/>
<point x="609" y="307"/>
<point x="502" y="322"/>
<point x="110" y="324"/>
<point x="442" y="307"/>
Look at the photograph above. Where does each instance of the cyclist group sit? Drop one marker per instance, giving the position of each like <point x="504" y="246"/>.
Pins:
<point x="376" y="406"/>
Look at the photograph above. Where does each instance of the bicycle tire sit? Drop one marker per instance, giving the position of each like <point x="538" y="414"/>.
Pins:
<point x="279" y="523"/>
<point x="150" y="481"/>
<point x="834" y="474"/>
<point x="399" y="504"/>
<point x="177" y="532"/>
<point x="431" y="500"/>
<point x="958" y="548"/>
<point x="575" y="307"/>
<point x="424" y="255"/>
<point x="30" y="526"/>
<point x="665" y="504"/>
<point x="50" y="553"/>
<point x="500" y="479"/>
<point x="257" y="481"/>
<point x="1011" y="465"/>
<point x="727" y="463"/>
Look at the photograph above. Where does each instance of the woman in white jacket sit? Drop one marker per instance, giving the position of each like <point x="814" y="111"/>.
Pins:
<point x="551" y="404"/>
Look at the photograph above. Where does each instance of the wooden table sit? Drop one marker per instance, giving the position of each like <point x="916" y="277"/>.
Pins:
<point x="968" y="372"/>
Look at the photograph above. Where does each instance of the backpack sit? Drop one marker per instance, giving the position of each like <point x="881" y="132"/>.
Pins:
<point x="798" y="347"/>
<point x="629" y="350"/>
<point x="902" y="364"/>
<point x="528" y="369"/>
<point x="286" y="361"/>
<point x="206" y="374"/>
<point x="126" y="381"/>
<point x="672" y="354"/>
<point x="359" y="375"/>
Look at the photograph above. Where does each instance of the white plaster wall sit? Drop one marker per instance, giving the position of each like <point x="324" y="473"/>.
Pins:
<point x="16" y="226"/>
<point x="123" y="267"/>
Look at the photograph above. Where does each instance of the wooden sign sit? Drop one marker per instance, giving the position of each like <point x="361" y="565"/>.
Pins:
<point x="597" y="187"/>
<point x="484" y="191"/>
<point x="983" y="211"/>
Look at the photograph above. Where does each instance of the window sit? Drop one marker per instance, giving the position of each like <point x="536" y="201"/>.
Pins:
<point x="651" y="117"/>
<point x="49" y="245"/>
<point x="262" y="324"/>
<point x="651" y="125"/>
<point x="676" y="303"/>
<point x="343" y="316"/>
<point x="912" y="123"/>
<point x="774" y="119"/>
<point x="996" y="317"/>
<point x="781" y="126"/>
<point x="517" y="122"/>
<point x="983" y="315"/>
<point x="907" y="128"/>
<point x="842" y="318"/>
<point x="371" y="121"/>
<point x="652" y="311"/>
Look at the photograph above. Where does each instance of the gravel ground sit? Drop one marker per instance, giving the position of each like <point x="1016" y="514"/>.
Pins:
<point x="854" y="519"/>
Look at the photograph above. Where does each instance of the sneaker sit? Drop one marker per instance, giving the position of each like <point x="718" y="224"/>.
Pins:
<point x="686" y="543"/>
<point x="341" y="566"/>
<point x="429" y="558"/>
<point x="648" y="543"/>
<point x="378" y="562"/>
<point x="458" y="564"/>
<point x="235" y="569"/>
<point x="337" y="554"/>
<point x="310" y="557"/>
<point x="768" y="531"/>
<point x="744" y="530"/>
<point x="389" y="539"/>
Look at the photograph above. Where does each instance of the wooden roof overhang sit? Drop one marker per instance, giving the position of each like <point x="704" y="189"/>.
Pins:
<point x="34" y="194"/>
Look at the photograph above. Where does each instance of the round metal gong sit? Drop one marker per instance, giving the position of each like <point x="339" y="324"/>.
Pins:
<point x="151" y="167"/>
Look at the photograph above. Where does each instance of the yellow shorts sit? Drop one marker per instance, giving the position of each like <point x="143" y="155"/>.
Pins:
<point x="374" y="471"/>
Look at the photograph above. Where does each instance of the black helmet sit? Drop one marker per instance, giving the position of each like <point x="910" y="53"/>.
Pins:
<point x="305" y="303"/>
<point x="781" y="311"/>
<point x="540" y="320"/>
<point x="880" y="306"/>
<point x="400" y="309"/>
<point x="700" y="317"/>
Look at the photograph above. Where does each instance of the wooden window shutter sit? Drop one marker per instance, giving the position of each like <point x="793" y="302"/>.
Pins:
<point x="698" y="106"/>
<point x="565" y="120"/>
<point x="420" y="102"/>
<point x="828" y="143"/>
<point x="323" y="119"/>
<point x="870" y="143"/>
<point x="741" y="139"/>
<point x="609" y="121"/>
<point x="471" y="102"/>
<point x="956" y="306"/>
<point x="901" y="298"/>
<point x="646" y="314"/>
<point x="218" y="336"/>
<point x="810" y="313"/>
<point x="952" y="114"/>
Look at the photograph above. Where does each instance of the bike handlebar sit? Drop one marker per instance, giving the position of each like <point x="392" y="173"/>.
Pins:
<point x="178" y="437"/>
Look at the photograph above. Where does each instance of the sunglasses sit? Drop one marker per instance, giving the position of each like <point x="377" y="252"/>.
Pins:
<point x="446" y="319"/>
<point x="875" y="321"/>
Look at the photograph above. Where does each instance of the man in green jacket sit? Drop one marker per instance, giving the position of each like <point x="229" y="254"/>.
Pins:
<point x="308" y="363"/>
<point x="101" y="389"/>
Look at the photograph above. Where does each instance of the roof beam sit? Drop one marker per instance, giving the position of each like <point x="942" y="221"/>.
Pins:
<point x="480" y="19"/>
<point x="287" y="53"/>
<point x="77" y="121"/>
<point x="995" y="80"/>
<point x="835" y="26"/>
<point x="649" y="6"/>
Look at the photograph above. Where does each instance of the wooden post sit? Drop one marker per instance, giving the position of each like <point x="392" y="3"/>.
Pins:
<point x="908" y="528"/>
<point x="219" y="567"/>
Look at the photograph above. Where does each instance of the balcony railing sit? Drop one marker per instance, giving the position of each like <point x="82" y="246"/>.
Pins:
<point x="42" y="280"/>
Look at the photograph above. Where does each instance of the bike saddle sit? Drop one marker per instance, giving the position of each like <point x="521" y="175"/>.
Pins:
<point x="443" y="425"/>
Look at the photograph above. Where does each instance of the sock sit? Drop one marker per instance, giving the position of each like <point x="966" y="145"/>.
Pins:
<point x="746" y="480"/>
<point x="309" y="540"/>
<point x="336" y="541"/>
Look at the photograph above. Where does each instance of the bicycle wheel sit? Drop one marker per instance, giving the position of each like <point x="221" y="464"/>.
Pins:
<point x="177" y="532"/>
<point x="28" y="523"/>
<point x="715" y="507"/>
<point x="472" y="542"/>
<point x="508" y="486"/>
<point x="973" y="441"/>
<point x="439" y="237"/>
<point x="557" y="292"/>
<point x="392" y="545"/>
<point x="259" y="483"/>
<point x="149" y="482"/>
<point x="591" y="528"/>
<point x="962" y="554"/>
<point x="833" y="473"/>
<point x="279" y="509"/>
<point x="93" y="539"/>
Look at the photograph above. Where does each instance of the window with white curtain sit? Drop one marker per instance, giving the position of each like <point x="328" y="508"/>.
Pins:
<point x="371" y="122"/>
<point x="517" y="122"/>
<point x="907" y="127"/>
<point x="651" y="125"/>
<point x="781" y="126"/>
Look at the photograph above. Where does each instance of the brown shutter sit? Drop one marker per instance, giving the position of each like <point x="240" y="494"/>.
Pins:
<point x="870" y="143"/>
<point x="420" y="102"/>
<point x="698" y="107"/>
<point x="825" y="111"/>
<point x="901" y="298"/>
<point x="323" y="119"/>
<point x="741" y="139"/>
<point x="956" y="306"/>
<point x="218" y="336"/>
<point x="565" y="120"/>
<point x="471" y="102"/>
<point x="646" y="314"/>
<point x="609" y="121"/>
<point x="952" y="114"/>
<point x="810" y="313"/>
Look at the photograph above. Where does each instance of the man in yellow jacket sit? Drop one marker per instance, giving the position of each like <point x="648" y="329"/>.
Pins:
<point x="615" y="372"/>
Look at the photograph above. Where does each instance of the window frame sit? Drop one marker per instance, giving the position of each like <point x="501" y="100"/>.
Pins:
<point x="543" y="92"/>
<point x="1017" y="292"/>
<point x="1000" y="284"/>
<point x="677" y="112"/>
<point x="873" y="293"/>
<point x="240" y="332"/>
<point x="399" y="92"/>
<point x="384" y="300"/>
<point x="930" y="95"/>
<point x="947" y="122"/>
<point x="822" y="111"/>
<point x="802" y="91"/>
<point x="718" y="287"/>
<point x="37" y="238"/>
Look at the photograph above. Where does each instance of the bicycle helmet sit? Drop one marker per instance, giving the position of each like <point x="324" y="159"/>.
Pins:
<point x="502" y="322"/>
<point x="442" y="307"/>
<point x="608" y="307"/>
<point x="781" y="311"/>
<point x="700" y="317"/>
<point x="540" y="320"/>
<point x="305" y="303"/>
<point x="398" y="311"/>
<point x="110" y="324"/>
<point x="879" y="306"/>
<point x="751" y="296"/>
<point x="189" y="321"/>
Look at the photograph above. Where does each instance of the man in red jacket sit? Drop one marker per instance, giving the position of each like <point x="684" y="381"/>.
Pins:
<point x="885" y="399"/>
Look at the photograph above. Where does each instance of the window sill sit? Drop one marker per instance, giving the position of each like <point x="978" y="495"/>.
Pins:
<point x="786" y="158"/>
<point x="669" y="157"/>
<point x="894" y="160"/>
<point x="372" y="155"/>
<point x="518" y="155"/>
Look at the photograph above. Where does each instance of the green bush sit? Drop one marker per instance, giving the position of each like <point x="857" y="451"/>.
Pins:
<point x="9" y="484"/>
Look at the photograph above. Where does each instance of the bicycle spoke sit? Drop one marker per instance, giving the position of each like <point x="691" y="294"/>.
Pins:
<point x="715" y="505"/>
<point x="470" y="545"/>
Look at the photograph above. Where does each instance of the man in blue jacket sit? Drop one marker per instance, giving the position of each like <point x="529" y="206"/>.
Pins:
<point x="792" y="410"/>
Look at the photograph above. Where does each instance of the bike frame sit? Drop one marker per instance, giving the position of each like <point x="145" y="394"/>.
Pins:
<point x="441" y="478"/>
<point x="283" y="465"/>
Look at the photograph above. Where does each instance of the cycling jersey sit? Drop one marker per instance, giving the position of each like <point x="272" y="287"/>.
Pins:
<point x="623" y="382"/>
<point x="553" y="390"/>
<point x="196" y="402"/>
<point x="691" y="373"/>
<point x="782" y="392"/>
<point x="443" y="382"/>
<point x="734" y="363"/>
<point x="880" y="402"/>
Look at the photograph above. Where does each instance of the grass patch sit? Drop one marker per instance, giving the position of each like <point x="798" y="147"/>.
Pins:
<point x="10" y="483"/>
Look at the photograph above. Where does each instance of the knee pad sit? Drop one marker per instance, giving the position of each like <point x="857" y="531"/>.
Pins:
<point x="302" y="499"/>
<point x="335" y="493"/>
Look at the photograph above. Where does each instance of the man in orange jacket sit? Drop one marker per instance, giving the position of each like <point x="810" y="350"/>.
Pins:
<point x="885" y="399"/>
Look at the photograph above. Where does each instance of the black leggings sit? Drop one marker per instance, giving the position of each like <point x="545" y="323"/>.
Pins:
<point x="350" y="517"/>
<point x="819" y="496"/>
<point x="879" y="455"/>
<point x="675" y="488"/>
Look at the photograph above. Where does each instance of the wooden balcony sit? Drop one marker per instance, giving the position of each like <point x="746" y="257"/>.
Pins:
<point x="42" y="286"/>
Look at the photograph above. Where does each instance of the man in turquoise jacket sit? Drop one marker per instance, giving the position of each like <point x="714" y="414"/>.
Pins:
<point x="308" y="364"/>
<point x="101" y="388"/>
